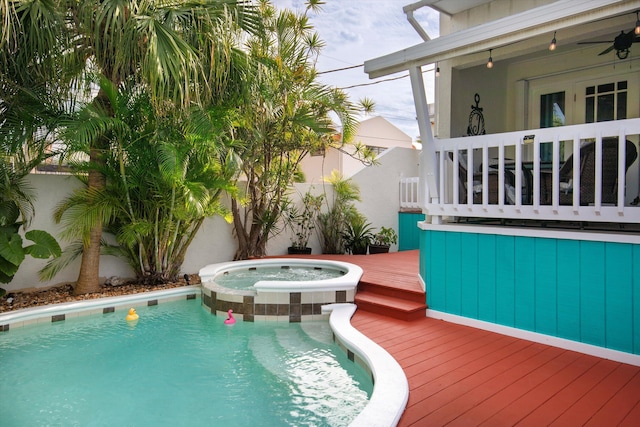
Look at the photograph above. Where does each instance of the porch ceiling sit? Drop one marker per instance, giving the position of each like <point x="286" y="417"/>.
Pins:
<point x="545" y="19"/>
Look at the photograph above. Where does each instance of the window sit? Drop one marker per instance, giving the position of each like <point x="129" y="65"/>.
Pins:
<point x="552" y="113"/>
<point x="552" y="110"/>
<point x="606" y="102"/>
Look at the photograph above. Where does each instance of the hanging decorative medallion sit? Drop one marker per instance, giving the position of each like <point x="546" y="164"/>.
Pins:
<point x="476" y="119"/>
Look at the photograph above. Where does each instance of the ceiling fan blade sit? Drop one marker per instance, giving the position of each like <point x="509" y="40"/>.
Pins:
<point x="596" y="42"/>
<point x="607" y="50"/>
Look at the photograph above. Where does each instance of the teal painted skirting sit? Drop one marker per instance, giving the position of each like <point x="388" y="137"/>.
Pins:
<point x="408" y="231"/>
<point x="584" y="291"/>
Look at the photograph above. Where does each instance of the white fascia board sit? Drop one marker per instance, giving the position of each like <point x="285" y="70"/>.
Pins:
<point x="550" y="17"/>
<point x="451" y="7"/>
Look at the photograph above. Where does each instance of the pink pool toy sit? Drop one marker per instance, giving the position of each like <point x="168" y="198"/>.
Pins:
<point x="230" y="320"/>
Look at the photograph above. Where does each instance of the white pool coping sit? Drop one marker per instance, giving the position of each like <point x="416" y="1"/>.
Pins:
<point x="347" y="281"/>
<point x="391" y="388"/>
<point x="87" y="306"/>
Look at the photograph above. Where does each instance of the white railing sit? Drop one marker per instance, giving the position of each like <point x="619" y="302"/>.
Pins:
<point x="506" y="182"/>
<point x="409" y="193"/>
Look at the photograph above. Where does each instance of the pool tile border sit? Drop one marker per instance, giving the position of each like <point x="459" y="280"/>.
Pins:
<point x="60" y="312"/>
<point x="287" y="306"/>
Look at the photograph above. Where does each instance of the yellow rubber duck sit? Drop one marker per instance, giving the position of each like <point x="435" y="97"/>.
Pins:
<point x="132" y="315"/>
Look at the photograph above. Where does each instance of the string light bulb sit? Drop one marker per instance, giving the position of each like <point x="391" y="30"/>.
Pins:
<point x="490" y="61"/>
<point x="437" y="70"/>
<point x="553" y="44"/>
<point x="637" y="30"/>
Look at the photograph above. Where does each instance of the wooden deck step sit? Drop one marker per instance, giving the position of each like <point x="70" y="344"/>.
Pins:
<point x="415" y="295"/>
<point x="390" y="284"/>
<point x="398" y="308"/>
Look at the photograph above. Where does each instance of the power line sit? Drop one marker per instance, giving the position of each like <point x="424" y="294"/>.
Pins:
<point x="376" y="82"/>
<point x="383" y="81"/>
<point x="341" y="69"/>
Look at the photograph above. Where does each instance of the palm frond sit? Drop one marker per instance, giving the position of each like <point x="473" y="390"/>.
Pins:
<point x="56" y="265"/>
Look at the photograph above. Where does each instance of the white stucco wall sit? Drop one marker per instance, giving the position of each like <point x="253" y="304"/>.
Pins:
<point x="213" y="243"/>
<point x="51" y="189"/>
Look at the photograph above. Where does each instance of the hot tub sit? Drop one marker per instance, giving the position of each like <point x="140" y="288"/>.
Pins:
<point x="282" y="299"/>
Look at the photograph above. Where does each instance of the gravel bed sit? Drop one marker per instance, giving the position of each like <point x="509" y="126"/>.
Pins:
<point x="64" y="293"/>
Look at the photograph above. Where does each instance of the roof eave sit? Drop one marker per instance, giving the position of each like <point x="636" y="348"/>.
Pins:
<point x="551" y="17"/>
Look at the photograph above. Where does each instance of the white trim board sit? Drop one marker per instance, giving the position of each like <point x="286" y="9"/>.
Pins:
<point x="592" y="350"/>
<point x="633" y="239"/>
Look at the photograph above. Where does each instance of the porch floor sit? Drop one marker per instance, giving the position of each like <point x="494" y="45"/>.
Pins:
<point x="464" y="376"/>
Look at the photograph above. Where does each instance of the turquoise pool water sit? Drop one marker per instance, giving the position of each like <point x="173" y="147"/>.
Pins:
<point x="244" y="279"/>
<point x="178" y="366"/>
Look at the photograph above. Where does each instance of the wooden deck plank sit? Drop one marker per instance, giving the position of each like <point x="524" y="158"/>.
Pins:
<point x="551" y="410"/>
<point x="543" y="404"/>
<point x="633" y="417"/>
<point x="470" y="362"/>
<point x="619" y="406"/>
<point x="470" y="391"/>
<point x="522" y="396"/>
<point x="595" y="399"/>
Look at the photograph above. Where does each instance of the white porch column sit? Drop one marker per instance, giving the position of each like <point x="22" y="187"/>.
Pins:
<point x="429" y="163"/>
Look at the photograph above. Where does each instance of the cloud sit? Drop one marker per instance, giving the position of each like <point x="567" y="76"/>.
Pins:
<point x="359" y="30"/>
<point x="349" y="36"/>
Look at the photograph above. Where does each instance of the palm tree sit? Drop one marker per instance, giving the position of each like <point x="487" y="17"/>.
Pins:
<point x="165" y="175"/>
<point x="180" y="52"/>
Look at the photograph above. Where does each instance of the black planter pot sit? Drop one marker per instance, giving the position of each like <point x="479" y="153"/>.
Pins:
<point x="359" y="250"/>
<point x="378" y="249"/>
<point x="298" y="251"/>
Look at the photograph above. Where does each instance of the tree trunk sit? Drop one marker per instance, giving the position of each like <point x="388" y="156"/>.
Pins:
<point x="250" y="244"/>
<point x="243" y="240"/>
<point x="89" y="276"/>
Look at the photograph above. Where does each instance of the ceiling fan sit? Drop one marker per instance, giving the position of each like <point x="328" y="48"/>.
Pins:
<point x="623" y="41"/>
<point x="622" y="44"/>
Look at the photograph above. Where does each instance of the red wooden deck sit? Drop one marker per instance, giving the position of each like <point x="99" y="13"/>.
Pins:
<point x="462" y="376"/>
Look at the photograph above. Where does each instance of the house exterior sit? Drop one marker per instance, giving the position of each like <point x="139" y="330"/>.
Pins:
<point x="529" y="179"/>
<point x="377" y="133"/>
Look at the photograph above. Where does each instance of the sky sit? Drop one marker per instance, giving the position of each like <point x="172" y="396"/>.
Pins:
<point x="358" y="30"/>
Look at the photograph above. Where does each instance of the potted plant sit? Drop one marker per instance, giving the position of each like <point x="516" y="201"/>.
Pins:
<point x="383" y="240"/>
<point x="358" y="236"/>
<point x="340" y="209"/>
<point x="302" y="222"/>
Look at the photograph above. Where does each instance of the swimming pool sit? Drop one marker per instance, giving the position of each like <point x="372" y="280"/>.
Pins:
<point x="178" y="365"/>
<point x="291" y="299"/>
